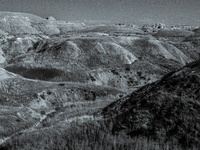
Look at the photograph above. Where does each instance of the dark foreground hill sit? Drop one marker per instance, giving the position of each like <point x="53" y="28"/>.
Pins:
<point x="168" y="109"/>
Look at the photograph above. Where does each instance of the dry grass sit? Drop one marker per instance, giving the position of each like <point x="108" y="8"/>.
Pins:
<point x="73" y="110"/>
<point x="74" y="127"/>
<point x="16" y="119"/>
<point x="88" y="135"/>
<point x="18" y="94"/>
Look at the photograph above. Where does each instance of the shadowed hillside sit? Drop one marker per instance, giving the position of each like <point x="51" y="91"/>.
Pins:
<point x="167" y="109"/>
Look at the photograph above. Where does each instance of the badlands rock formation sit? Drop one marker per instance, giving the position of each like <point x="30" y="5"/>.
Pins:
<point x="21" y="23"/>
<point x="153" y="28"/>
<point x="197" y="31"/>
<point x="79" y="59"/>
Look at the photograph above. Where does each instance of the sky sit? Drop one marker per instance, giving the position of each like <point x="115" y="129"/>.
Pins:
<point x="172" y="12"/>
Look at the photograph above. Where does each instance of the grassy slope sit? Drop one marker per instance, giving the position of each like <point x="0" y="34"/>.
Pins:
<point x="23" y="100"/>
<point x="167" y="109"/>
<point x="75" y="128"/>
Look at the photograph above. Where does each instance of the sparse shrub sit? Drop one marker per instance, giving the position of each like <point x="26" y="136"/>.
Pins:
<point x="73" y="105"/>
<point x="18" y="120"/>
<point x="92" y="78"/>
<point x="120" y="95"/>
<point x="139" y="73"/>
<point x="61" y="84"/>
<point x="88" y="135"/>
<point x="35" y="95"/>
<point x="90" y="95"/>
<point x="49" y="92"/>
<point x="42" y="112"/>
<point x="127" y="68"/>
<point x="42" y="96"/>
<point x="115" y="72"/>
<point x="142" y="77"/>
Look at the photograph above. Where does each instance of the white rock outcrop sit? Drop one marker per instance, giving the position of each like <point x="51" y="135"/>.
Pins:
<point x="21" y="23"/>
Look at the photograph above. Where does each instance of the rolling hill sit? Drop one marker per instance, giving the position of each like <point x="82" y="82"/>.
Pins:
<point x="103" y="60"/>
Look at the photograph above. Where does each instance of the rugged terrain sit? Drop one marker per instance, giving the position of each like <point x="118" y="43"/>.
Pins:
<point x="59" y="78"/>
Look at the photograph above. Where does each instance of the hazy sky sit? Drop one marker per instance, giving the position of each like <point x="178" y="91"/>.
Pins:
<point x="132" y="11"/>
